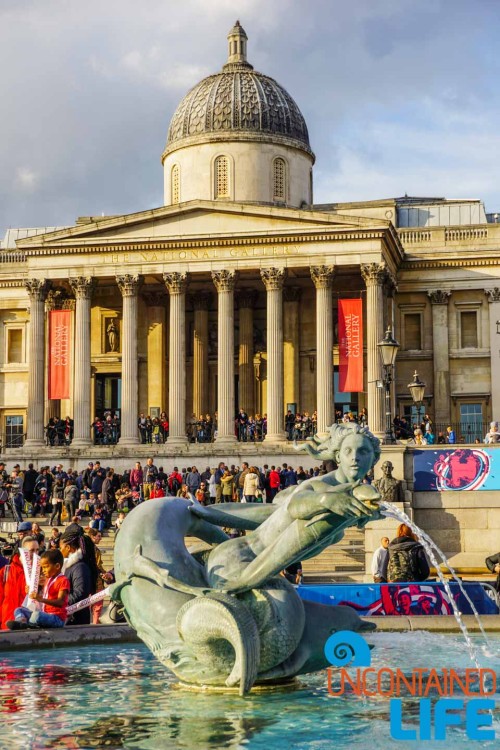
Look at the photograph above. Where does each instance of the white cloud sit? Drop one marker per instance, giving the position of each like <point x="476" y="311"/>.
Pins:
<point x="26" y="179"/>
<point x="398" y="96"/>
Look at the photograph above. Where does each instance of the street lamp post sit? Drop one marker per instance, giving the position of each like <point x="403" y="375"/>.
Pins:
<point x="417" y="390"/>
<point x="388" y="349"/>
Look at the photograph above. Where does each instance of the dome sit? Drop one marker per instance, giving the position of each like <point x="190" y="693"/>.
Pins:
<point x="238" y="104"/>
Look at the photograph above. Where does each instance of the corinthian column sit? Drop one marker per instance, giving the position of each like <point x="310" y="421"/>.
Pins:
<point x="374" y="275"/>
<point x="37" y="290"/>
<point x="322" y="277"/>
<point x="201" y="304"/>
<point x="273" y="279"/>
<point x="440" y="347"/>
<point x="246" y="301"/>
<point x="291" y="317"/>
<point x="129" y="288"/>
<point x="176" y="284"/>
<point x="82" y="288"/>
<point x="493" y="297"/>
<point x="224" y="282"/>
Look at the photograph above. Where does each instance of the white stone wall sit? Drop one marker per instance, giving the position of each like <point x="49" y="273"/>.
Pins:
<point x="251" y="177"/>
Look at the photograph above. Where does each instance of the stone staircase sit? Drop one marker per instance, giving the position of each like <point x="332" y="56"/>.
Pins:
<point x="340" y="562"/>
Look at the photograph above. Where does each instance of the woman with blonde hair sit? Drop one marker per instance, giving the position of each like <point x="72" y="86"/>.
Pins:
<point x="251" y="485"/>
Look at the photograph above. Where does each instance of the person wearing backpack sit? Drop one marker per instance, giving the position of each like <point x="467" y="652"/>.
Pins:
<point x="407" y="560"/>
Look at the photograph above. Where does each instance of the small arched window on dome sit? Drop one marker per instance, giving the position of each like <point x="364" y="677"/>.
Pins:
<point x="280" y="180"/>
<point x="221" y="177"/>
<point x="175" y="184"/>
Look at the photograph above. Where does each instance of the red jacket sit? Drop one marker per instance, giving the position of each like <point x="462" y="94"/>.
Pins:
<point x="274" y="480"/>
<point x="12" y="589"/>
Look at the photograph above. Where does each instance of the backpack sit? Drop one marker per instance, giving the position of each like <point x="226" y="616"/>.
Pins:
<point x="404" y="565"/>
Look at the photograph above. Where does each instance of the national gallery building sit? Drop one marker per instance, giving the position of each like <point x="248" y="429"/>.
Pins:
<point x="227" y="296"/>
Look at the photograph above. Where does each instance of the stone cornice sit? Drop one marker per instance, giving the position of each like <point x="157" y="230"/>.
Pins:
<point x="112" y="246"/>
<point x="422" y="265"/>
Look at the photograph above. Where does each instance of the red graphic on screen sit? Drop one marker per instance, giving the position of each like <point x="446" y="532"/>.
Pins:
<point x="463" y="469"/>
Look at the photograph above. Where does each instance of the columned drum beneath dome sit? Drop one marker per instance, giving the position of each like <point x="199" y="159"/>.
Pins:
<point x="249" y="120"/>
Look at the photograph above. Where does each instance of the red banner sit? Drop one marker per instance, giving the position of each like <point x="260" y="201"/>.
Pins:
<point x="350" y="345"/>
<point x="59" y="353"/>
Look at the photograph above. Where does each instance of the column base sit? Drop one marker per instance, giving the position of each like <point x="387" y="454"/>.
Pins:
<point x="226" y="441"/>
<point x="177" y="441"/>
<point x="278" y="437"/>
<point x="81" y="443"/>
<point x="126" y="441"/>
<point x="34" y="443"/>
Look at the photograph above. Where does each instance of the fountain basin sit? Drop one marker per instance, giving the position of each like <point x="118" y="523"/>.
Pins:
<point x="120" y="696"/>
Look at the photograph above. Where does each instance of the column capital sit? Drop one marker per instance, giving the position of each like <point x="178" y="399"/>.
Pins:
<point x="373" y="273"/>
<point x="439" y="296"/>
<point x="129" y="284"/>
<point x="154" y="297"/>
<point x="176" y="282"/>
<point x="493" y="295"/>
<point x="273" y="278"/>
<point x="292" y="293"/>
<point x="201" y="301"/>
<point x="55" y="299"/>
<point x="322" y="276"/>
<point x="246" y="298"/>
<point x="391" y="283"/>
<point x="82" y="286"/>
<point x="224" y="280"/>
<point x="37" y="289"/>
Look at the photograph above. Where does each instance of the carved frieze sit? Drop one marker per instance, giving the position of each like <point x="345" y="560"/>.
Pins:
<point x="373" y="273"/>
<point x="82" y="286"/>
<point x="273" y="278"/>
<point x="246" y="298"/>
<point x="439" y="296"/>
<point x="201" y="301"/>
<point x="224" y="280"/>
<point x="176" y="282"/>
<point x="322" y="276"/>
<point x="37" y="288"/>
<point x="129" y="284"/>
<point x="493" y="295"/>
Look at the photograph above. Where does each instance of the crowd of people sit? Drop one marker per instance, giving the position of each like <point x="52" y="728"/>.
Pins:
<point x="71" y="570"/>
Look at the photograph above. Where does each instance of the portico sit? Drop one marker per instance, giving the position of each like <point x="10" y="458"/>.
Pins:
<point x="215" y="302"/>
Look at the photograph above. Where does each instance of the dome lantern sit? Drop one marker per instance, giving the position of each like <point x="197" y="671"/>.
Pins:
<point x="237" y="47"/>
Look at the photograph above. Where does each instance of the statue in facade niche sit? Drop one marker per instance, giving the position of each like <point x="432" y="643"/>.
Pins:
<point x="112" y="334"/>
<point x="390" y="489"/>
<point x="224" y="616"/>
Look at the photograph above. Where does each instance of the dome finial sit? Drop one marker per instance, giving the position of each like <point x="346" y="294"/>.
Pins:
<point x="237" y="49"/>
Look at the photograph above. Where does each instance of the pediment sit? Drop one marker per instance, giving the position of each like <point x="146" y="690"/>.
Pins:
<point x="200" y="219"/>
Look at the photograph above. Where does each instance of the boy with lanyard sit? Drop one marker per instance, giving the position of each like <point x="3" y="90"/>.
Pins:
<point x="54" y="598"/>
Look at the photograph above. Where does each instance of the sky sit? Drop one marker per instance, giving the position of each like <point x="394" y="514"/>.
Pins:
<point x="399" y="96"/>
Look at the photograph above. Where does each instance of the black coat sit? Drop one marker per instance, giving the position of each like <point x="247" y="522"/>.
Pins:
<point x="80" y="581"/>
<point x="490" y="564"/>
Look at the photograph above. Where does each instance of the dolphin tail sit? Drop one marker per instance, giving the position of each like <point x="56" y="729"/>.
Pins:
<point x="222" y="635"/>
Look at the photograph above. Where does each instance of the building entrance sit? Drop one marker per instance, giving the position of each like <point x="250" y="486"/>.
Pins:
<point x="108" y="394"/>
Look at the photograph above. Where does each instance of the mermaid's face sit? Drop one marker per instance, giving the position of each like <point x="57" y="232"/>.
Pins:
<point x="355" y="457"/>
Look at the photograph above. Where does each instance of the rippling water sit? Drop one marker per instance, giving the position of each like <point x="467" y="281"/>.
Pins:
<point x="121" y="697"/>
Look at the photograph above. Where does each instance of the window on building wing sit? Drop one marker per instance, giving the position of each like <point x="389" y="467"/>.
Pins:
<point x="468" y="330"/>
<point x="175" y="187"/>
<point x="412" y="331"/>
<point x="14" y="345"/>
<point x="279" y="180"/>
<point x="222" y="177"/>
